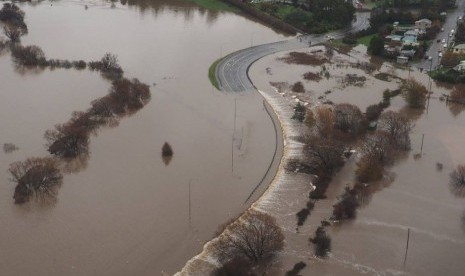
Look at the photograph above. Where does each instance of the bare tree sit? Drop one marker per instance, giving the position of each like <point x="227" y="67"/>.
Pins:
<point x="326" y="154"/>
<point x="38" y="177"/>
<point x="349" y="119"/>
<point x="458" y="94"/>
<point x="457" y="181"/>
<point x="397" y="127"/>
<point x="109" y="62"/>
<point x="28" y="55"/>
<point x="254" y="237"/>
<point x="67" y="141"/>
<point x="13" y="33"/>
<point x="324" y="121"/>
<point x="128" y="96"/>
<point x="414" y="93"/>
<point x="378" y="147"/>
<point x="369" y="169"/>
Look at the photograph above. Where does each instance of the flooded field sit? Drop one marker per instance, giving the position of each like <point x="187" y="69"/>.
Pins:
<point x="124" y="212"/>
<point x="415" y="194"/>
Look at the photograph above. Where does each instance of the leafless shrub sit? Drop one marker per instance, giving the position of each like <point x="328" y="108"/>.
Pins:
<point x="28" y="55"/>
<point x="354" y="80"/>
<point x="298" y="87"/>
<point x="37" y="177"/>
<point x="324" y="121"/>
<point x="457" y="181"/>
<point x="304" y="59"/>
<point x="9" y="147"/>
<point x="255" y="237"/>
<point x="312" y="76"/>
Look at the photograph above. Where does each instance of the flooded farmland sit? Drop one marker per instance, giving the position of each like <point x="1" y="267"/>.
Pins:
<point x="125" y="211"/>
<point x="415" y="194"/>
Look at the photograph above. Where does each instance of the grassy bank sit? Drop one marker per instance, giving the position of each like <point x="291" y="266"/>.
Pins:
<point x="216" y="5"/>
<point x="212" y="74"/>
<point x="365" y="40"/>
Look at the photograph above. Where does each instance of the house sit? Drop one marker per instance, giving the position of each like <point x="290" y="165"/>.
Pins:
<point x="402" y="59"/>
<point x="460" y="67"/>
<point x="423" y="24"/>
<point x="459" y="49"/>
<point x="408" y="53"/>
<point x="410" y="37"/>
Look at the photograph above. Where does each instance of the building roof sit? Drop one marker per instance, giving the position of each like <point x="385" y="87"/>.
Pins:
<point x="460" y="47"/>
<point x="412" y="32"/>
<point x="424" y="20"/>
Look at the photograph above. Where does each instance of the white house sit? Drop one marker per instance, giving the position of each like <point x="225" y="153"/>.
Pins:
<point x="460" y="67"/>
<point x="459" y="49"/>
<point x="423" y="24"/>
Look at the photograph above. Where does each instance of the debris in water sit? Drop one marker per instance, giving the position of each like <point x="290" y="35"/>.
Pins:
<point x="9" y="147"/>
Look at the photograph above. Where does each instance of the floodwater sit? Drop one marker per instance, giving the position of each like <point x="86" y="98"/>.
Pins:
<point x="415" y="195"/>
<point x="125" y="212"/>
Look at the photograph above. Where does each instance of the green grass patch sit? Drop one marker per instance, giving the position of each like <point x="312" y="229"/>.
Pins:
<point x="212" y="74"/>
<point x="215" y="5"/>
<point x="365" y="40"/>
<point x="285" y="10"/>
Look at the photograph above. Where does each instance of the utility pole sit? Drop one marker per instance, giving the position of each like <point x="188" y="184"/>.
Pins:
<point x="430" y="82"/>
<point x="406" y="248"/>
<point x="190" y="209"/>
<point x="422" y="139"/>
<point x="232" y="138"/>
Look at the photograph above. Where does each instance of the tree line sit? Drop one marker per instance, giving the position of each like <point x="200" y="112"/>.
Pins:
<point x="41" y="177"/>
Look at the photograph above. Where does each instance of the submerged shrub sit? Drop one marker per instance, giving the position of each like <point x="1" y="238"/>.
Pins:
<point x="296" y="269"/>
<point x="11" y="14"/>
<point x="28" y="55"/>
<point x="347" y="206"/>
<point x="38" y="177"/>
<point x="166" y="150"/>
<point x="322" y="242"/>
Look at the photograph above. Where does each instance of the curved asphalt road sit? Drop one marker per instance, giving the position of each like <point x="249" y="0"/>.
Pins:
<point x="232" y="71"/>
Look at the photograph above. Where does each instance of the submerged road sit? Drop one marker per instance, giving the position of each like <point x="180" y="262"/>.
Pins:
<point x="232" y="71"/>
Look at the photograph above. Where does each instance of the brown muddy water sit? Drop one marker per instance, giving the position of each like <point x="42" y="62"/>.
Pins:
<point x="415" y="194"/>
<point x="125" y="212"/>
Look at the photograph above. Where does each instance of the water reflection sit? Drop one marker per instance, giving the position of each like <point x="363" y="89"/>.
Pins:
<point x="455" y="108"/>
<point x="463" y="221"/>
